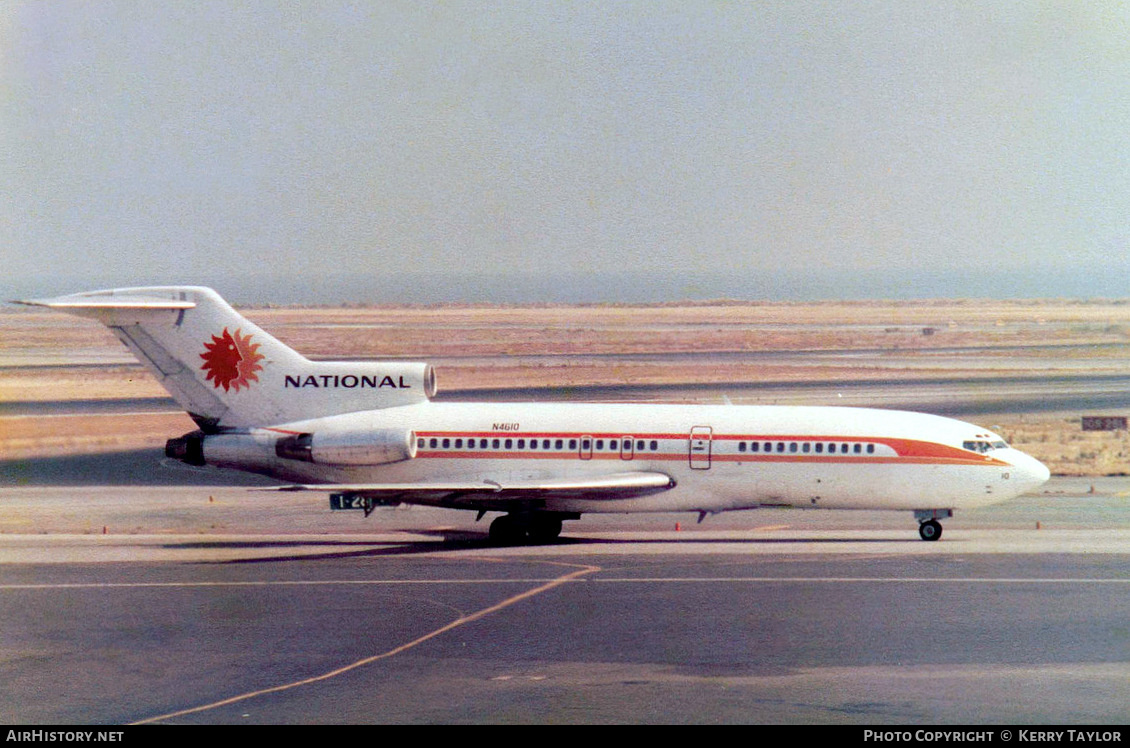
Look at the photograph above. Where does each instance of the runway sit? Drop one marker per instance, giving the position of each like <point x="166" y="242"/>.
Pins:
<point x="208" y="605"/>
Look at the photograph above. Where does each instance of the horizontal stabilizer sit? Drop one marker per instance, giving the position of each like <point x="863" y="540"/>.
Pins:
<point x="81" y="301"/>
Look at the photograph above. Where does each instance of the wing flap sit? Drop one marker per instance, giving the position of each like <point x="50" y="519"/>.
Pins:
<point x="502" y="493"/>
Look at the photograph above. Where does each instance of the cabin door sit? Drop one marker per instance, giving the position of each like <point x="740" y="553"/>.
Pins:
<point x="699" y="447"/>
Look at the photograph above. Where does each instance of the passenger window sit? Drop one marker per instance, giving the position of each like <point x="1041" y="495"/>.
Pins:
<point x="654" y="445"/>
<point x="509" y="443"/>
<point x="870" y="449"/>
<point x="494" y="444"/>
<point x="434" y="443"/>
<point x="741" y="446"/>
<point x="446" y="443"/>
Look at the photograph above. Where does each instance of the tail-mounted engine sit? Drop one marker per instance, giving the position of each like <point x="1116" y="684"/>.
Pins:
<point x="377" y="447"/>
<point x="257" y="450"/>
<point x="188" y="448"/>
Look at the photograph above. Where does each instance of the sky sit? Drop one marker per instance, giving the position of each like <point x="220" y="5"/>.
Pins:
<point x="516" y="151"/>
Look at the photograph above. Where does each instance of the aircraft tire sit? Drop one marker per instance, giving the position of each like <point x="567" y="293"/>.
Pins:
<point x="930" y="530"/>
<point x="544" y="529"/>
<point x="507" y="530"/>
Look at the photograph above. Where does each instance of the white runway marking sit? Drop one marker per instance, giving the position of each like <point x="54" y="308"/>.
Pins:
<point x="866" y="580"/>
<point x="611" y="580"/>
<point x="268" y="583"/>
<point x="550" y="584"/>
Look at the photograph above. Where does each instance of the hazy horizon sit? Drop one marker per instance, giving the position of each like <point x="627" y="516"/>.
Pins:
<point x="434" y="288"/>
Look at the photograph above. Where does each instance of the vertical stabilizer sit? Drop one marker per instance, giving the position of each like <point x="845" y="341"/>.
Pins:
<point x="229" y="373"/>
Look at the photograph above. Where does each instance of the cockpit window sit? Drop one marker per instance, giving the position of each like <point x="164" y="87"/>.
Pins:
<point x="983" y="445"/>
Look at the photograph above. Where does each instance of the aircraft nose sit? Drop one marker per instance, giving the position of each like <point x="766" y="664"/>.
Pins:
<point x="1029" y="472"/>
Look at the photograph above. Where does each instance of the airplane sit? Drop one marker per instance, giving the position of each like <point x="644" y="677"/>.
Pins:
<point x="370" y="434"/>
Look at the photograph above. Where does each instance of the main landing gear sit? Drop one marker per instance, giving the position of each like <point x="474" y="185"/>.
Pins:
<point x="928" y="526"/>
<point x="528" y="527"/>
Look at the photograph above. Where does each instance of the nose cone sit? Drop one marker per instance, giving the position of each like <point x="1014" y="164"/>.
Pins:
<point x="1029" y="473"/>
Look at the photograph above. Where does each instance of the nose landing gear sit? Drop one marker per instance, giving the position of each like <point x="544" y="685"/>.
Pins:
<point x="930" y="530"/>
<point x="928" y="526"/>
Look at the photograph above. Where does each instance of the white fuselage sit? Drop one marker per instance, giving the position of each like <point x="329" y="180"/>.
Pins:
<point x="722" y="457"/>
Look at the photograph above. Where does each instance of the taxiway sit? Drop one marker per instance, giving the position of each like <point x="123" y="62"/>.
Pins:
<point x="209" y="605"/>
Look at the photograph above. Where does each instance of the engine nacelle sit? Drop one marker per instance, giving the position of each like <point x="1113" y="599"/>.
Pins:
<point x="256" y="451"/>
<point x="243" y="451"/>
<point x="335" y="387"/>
<point x="189" y="448"/>
<point x="349" y="447"/>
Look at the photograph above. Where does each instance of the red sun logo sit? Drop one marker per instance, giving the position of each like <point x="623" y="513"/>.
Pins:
<point x="231" y="360"/>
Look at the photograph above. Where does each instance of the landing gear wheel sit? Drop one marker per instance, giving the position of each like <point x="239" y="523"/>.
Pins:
<point x="507" y="530"/>
<point x="930" y="530"/>
<point x="519" y="529"/>
<point x="544" y="529"/>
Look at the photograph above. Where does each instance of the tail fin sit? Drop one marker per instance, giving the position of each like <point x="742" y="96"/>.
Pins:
<point x="226" y="371"/>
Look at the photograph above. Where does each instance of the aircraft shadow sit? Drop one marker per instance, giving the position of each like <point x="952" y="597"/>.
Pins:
<point x="447" y="541"/>
<point x="136" y="467"/>
<point x="450" y="541"/>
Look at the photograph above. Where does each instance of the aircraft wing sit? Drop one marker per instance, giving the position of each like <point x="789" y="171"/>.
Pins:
<point x="501" y="495"/>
